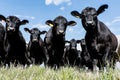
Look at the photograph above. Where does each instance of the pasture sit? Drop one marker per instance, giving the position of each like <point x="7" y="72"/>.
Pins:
<point x="64" y="73"/>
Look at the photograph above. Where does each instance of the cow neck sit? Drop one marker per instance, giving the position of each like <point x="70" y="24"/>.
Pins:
<point x="58" y="37"/>
<point x="95" y="31"/>
<point x="35" y="45"/>
<point x="98" y="26"/>
<point x="13" y="37"/>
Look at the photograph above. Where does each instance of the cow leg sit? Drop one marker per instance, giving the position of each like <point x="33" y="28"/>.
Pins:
<point x="22" y="60"/>
<point x="51" y="57"/>
<point x="113" y="58"/>
<point x="95" y="62"/>
<point x="105" y="60"/>
<point x="46" y="57"/>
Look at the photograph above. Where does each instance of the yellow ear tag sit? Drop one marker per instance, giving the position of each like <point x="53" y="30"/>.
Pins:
<point x="77" y="16"/>
<point x="51" y="25"/>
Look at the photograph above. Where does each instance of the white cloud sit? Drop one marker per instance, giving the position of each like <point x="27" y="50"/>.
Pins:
<point x="115" y="20"/>
<point x="69" y="3"/>
<point x="47" y="2"/>
<point x="71" y="30"/>
<point x="62" y="8"/>
<point x="25" y="17"/>
<point x="41" y="26"/>
<point x="57" y="2"/>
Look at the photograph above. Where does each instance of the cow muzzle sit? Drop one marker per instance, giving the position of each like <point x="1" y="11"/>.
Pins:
<point x="61" y="32"/>
<point x="11" y="29"/>
<point x="89" y="22"/>
<point x="35" y="40"/>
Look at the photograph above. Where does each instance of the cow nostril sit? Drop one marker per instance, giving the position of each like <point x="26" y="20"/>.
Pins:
<point x="73" y="48"/>
<point x="61" y="31"/>
<point x="34" y="40"/>
<point x="89" y="22"/>
<point x="10" y="29"/>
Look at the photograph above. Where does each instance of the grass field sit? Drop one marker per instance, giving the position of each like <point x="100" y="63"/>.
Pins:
<point x="64" y="73"/>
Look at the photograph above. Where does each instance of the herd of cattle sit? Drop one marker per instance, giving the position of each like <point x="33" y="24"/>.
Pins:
<point x="98" y="46"/>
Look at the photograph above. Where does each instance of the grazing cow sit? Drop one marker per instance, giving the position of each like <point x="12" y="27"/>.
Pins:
<point x="36" y="48"/>
<point x="2" y="51"/>
<point x="101" y="42"/>
<point x="55" y="39"/>
<point x="15" y="45"/>
<point x="86" y="60"/>
<point x="72" y="55"/>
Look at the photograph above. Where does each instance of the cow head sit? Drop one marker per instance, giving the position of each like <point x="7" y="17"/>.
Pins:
<point x="13" y="23"/>
<point x="60" y="24"/>
<point x="89" y="15"/>
<point x="73" y="43"/>
<point x="34" y="34"/>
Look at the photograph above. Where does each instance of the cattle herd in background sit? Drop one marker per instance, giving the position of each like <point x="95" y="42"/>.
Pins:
<point x="98" y="47"/>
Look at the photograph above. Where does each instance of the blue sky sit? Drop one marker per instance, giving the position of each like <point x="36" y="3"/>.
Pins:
<point x="38" y="11"/>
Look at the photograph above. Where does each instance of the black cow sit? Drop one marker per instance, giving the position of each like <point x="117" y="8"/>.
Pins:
<point x="55" y="39"/>
<point x="72" y="55"/>
<point x="101" y="42"/>
<point x="36" y="47"/>
<point x="85" y="56"/>
<point x="2" y="51"/>
<point x="15" y="45"/>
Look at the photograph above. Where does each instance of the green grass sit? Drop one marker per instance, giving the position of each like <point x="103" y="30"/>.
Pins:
<point x="64" y="73"/>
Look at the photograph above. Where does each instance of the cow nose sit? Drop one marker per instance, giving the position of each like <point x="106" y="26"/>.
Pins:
<point x="35" y="40"/>
<point x="61" y="31"/>
<point x="89" y="22"/>
<point x="73" y="48"/>
<point x="10" y="29"/>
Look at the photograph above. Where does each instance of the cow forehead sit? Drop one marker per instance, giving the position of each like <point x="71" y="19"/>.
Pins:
<point x="73" y="40"/>
<point x="35" y="30"/>
<point x="60" y="19"/>
<point x="13" y="18"/>
<point x="89" y="10"/>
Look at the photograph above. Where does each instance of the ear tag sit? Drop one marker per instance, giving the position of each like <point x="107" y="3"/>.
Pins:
<point x="51" y="25"/>
<point x="77" y="16"/>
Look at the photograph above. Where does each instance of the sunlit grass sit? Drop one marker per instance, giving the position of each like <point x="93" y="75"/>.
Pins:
<point x="64" y="73"/>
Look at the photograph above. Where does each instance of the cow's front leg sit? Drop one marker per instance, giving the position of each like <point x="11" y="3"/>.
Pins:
<point x="95" y="67"/>
<point x="105" y="60"/>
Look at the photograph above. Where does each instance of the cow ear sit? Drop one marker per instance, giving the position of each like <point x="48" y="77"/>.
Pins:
<point x="43" y="32"/>
<point x="102" y="9"/>
<point x="78" y="41"/>
<point x="2" y="18"/>
<point x="49" y="23"/>
<point x="76" y="14"/>
<point x="23" y="22"/>
<point x="27" y="30"/>
<point x="72" y="23"/>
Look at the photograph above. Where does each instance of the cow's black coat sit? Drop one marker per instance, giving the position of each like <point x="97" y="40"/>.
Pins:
<point x="2" y="50"/>
<point x="72" y="55"/>
<point x="15" y="45"/>
<point x="36" y="48"/>
<point x="55" y="39"/>
<point x="101" y="42"/>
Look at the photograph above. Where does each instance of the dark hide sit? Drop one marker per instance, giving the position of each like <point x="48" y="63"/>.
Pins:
<point x="72" y="55"/>
<point x="15" y="45"/>
<point x="36" y="48"/>
<point x="101" y="42"/>
<point x="55" y="39"/>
